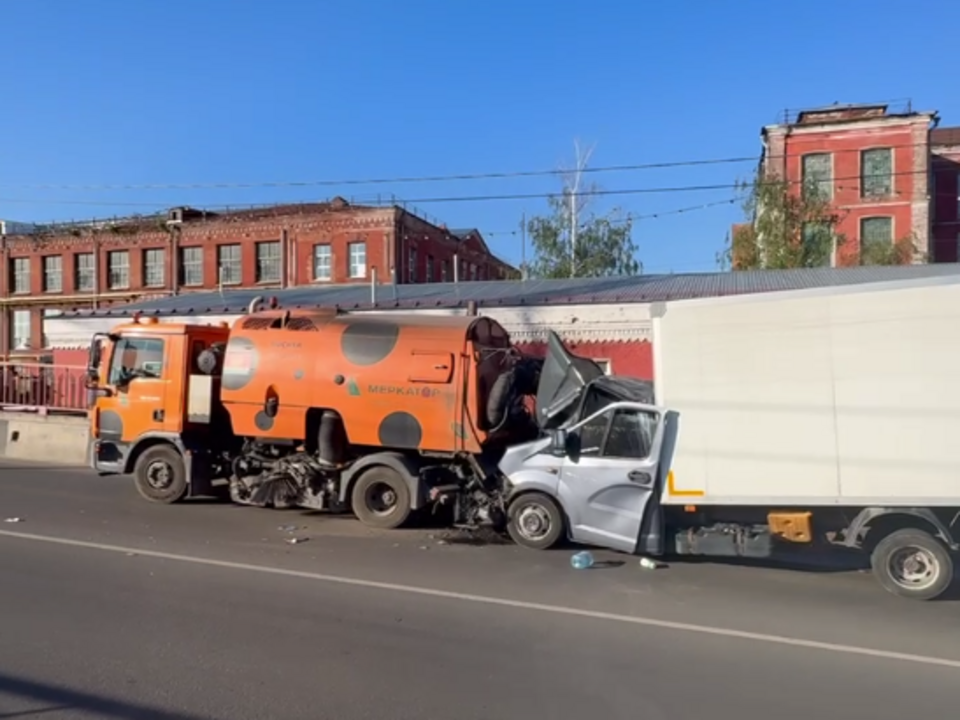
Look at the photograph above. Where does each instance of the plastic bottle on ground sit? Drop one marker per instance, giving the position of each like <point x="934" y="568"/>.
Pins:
<point x="582" y="560"/>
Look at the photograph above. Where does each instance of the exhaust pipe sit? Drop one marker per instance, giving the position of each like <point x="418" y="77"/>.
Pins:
<point x="252" y="307"/>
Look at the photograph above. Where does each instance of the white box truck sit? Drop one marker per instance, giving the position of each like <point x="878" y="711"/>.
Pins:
<point x="821" y="418"/>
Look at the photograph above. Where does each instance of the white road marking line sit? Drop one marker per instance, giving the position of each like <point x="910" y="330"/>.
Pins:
<point x="498" y="601"/>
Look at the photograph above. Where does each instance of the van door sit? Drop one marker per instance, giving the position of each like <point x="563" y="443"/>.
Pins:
<point x="611" y="473"/>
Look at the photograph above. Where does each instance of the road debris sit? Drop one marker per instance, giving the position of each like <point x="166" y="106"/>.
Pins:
<point x="296" y="540"/>
<point x="582" y="560"/>
<point x="13" y="520"/>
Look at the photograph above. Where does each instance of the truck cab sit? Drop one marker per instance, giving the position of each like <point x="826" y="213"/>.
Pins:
<point x="595" y="474"/>
<point x="150" y="394"/>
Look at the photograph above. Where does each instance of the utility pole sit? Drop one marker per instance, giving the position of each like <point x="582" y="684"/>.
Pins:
<point x="523" y="246"/>
<point x="581" y="160"/>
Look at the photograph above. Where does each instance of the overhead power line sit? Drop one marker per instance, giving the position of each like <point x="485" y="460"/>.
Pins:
<point x="836" y="182"/>
<point x="633" y="217"/>
<point x="399" y="180"/>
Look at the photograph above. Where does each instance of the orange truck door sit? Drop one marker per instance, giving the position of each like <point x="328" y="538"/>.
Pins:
<point x="141" y="369"/>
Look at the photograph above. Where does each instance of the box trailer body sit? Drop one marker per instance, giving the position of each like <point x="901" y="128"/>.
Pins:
<point x="840" y="396"/>
<point x="815" y="418"/>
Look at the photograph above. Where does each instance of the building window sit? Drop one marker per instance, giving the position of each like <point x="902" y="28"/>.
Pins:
<point x="429" y="269"/>
<point x="473" y="271"/>
<point x="20" y="276"/>
<point x="876" y="173"/>
<point x="20" y="330"/>
<point x="154" y="262"/>
<point x="875" y="231"/>
<point x="268" y="262"/>
<point x="84" y="272"/>
<point x="229" y="265"/>
<point x="412" y="265"/>
<point x="47" y="314"/>
<point x="118" y="264"/>
<point x="817" y="171"/>
<point x="818" y="242"/>
<point x="53" y="274"/>
<point x="191" y="266"/>
<point x="357" y="254"/>
<point x="322" y="262"/>
<point x="444" y="270"/>
<point x="958" y="246"/>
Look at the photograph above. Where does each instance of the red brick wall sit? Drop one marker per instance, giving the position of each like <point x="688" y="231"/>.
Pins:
<point x="632" y="358"/>
<point x="436" y="243"/>
<point x="299" y="228"/>
<point x="846" y="145"/>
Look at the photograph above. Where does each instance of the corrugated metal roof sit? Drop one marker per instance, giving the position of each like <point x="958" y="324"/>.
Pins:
<point x="516" y="293"/>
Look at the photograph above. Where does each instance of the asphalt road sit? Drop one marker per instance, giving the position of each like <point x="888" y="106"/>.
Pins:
<point x="114" y="608"/>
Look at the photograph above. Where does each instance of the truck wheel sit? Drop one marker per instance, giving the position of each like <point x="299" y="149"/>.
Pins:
<point x="912" y="564"/>
<point x="161" y="475"/>
<point x="381" y="498"/>
<point x="534" y="521"/>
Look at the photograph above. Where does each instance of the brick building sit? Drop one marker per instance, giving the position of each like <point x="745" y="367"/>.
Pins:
<point x="945" y="194"/>
<point x="98" y="264"/>
<point x="872" y="163"/>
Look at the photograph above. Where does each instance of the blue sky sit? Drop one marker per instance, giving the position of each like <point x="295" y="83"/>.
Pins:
<point x="151" y="92"/>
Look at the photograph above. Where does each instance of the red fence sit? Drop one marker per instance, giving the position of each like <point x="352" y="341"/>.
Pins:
<point x="43" y="387"/>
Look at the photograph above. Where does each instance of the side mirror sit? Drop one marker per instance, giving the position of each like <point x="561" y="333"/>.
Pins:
<point x="565" y="444"/>
<point x="559" y="444"/>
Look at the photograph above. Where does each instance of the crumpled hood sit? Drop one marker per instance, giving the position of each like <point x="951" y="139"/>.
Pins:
<point x="562" y="381"/>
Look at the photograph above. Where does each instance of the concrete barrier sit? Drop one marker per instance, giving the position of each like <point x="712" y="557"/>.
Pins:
<point x="44" y="438"/>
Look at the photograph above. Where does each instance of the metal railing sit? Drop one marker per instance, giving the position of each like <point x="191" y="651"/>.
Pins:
<point x="43" y="387"/>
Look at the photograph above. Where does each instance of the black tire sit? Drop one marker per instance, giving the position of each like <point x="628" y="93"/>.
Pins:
<point x="160" y="475"/>
<point x="534" y="521"/>
<point x="933" y="565"/>
<point x="498" y="401"/>
<point x="381" y="498"/>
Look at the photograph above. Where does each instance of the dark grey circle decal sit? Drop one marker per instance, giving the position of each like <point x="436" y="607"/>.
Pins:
<point x="401" y="430"/>
<point x="367" y="343"/>
<point x="239" y="363"/>
<point x="263" y="421"/>
<point x="111" y="425"/>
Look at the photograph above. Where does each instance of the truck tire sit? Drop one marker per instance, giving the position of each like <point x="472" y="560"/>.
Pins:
<point x="534" y="521"/>
<point x="500" y="397"/>
<point x="381" y="498"/>
<point x="913" y="564"/>
<point x="160" y="475"/>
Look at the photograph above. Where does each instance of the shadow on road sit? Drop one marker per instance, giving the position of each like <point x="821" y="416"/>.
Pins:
<point x="61" y="699"/>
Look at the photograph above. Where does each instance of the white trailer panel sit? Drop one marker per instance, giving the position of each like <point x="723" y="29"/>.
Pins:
<point x="846" y="395"/>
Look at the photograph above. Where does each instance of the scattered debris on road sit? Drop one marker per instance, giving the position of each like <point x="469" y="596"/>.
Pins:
<point x="582" y="560"/>
<point x="296" y="540"/>
<point x="13" y="520"/>
<point x="650" y="564"/>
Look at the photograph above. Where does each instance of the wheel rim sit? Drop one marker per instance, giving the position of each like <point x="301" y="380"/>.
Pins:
<point x="381" y="499"/>
<point x="160" y="475"/>
<point x="533" y="522"/>
<point x="914" y="568"/>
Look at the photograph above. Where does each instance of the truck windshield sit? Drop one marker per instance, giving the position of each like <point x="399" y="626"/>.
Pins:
<point x="135" y="357"/>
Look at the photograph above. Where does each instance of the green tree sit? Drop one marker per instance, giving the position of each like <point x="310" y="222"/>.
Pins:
<point x="783" y="228"/>
<point x="573" y="241"/>
<point x="603" y="245"/>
